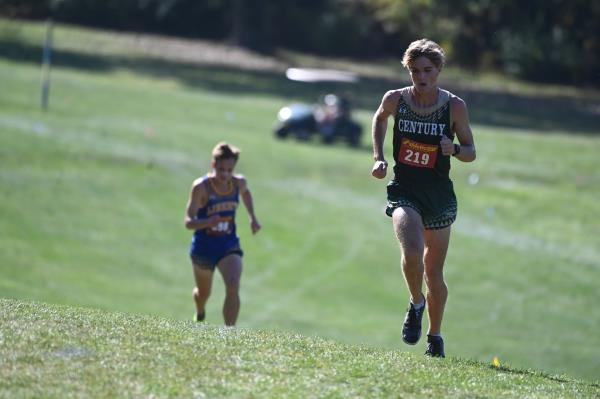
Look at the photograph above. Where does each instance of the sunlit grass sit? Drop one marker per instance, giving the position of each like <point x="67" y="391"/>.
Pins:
<point x="93" y="194"/>
<point x="56" y="351"/>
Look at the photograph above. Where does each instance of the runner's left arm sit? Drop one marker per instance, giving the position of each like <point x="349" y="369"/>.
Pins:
<point x="462" y="128"/>
<point x="249" y="204"/>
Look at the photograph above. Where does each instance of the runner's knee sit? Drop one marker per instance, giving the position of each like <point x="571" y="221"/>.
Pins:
<point x="412" y="253"/>
<point x="435" y="282"/>
<point x="232" y="290"/>
<point x="198" y="294"/>
<point x="232" y="285"/>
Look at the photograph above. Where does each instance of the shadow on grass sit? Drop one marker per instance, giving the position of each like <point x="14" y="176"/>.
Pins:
<point x="535" y="373"/>
<point x="563" y="379"/>
<point x="493" y="108"/>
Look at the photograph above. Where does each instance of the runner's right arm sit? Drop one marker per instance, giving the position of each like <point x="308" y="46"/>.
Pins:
<point x="196" y="201"/>
<point x="379" y="128"/>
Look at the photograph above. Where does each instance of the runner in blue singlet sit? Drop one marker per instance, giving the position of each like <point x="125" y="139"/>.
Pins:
<point x="210" y="212"/>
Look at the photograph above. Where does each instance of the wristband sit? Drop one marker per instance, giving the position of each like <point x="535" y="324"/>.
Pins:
<point x="456" y="150"/>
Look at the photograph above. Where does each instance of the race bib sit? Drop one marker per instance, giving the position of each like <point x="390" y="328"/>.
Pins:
<point x="417" y="154"/>
<point x="222" y="228"/>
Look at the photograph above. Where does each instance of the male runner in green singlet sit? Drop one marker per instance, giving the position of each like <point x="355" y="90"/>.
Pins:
<point x="421" y="199"/>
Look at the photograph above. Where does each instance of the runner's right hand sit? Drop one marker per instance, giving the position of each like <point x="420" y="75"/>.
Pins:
<point x="379" y="169"/>
<point x="213" y="220"/>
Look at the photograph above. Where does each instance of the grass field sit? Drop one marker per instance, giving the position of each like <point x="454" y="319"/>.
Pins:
<point x="93" y="194"/>
<point x="64" y="352"/>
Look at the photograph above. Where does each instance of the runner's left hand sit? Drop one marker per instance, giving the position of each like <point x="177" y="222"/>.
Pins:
<point x="447" y="145"/>
<point x="255" y="226"/>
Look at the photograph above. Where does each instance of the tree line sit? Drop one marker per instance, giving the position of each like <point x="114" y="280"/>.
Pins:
<point x="538" y="40"/>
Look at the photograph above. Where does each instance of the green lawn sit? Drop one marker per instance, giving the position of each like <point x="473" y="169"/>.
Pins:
<point x="93" y="194"/>
<point x="55" y="351"/>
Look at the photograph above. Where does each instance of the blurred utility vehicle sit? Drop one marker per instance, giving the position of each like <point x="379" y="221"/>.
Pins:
<point x="330" y="121"/>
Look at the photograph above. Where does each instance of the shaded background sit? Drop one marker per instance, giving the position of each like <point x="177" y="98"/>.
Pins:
<point x="539" y="40"/>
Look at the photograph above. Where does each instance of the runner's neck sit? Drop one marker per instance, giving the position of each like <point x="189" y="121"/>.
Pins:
<point x="425" y="100"/>
<point x="221" y="187"/>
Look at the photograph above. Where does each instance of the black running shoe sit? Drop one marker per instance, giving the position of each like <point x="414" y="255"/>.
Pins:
<point x="411" y="330"/>
<point x="435" y="346"/>
<point x="200" y="316"/>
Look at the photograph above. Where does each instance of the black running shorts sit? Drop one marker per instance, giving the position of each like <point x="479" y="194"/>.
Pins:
<point x="436" y="202"/>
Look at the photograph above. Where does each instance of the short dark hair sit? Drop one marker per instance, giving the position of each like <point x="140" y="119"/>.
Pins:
<point x="225" y="151"/>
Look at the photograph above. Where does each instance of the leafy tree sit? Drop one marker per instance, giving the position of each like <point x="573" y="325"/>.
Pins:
<point x="542" y="40"/>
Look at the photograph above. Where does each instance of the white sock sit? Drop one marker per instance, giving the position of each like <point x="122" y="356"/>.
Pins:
<point x="419" y="305"/>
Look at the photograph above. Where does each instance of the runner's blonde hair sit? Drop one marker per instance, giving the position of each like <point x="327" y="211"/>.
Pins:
<point x="424" y="48"/>
<point x="224" y="150"/>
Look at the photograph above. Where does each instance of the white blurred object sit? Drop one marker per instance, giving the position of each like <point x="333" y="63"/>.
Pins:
<point x="320" y="75"/>
<point x="473" y="179"/>
<point x="294" y="110"/>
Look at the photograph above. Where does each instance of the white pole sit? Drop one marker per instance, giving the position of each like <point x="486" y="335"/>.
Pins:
<point x="46" y="58"/>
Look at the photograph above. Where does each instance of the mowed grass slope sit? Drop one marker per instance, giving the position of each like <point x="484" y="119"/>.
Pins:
<point x="63" y="352"/>
<point x="93" y="195"/>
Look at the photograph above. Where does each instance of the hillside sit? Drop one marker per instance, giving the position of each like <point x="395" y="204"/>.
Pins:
<point x="93" y="194"/>
<point x="61" y="352"/>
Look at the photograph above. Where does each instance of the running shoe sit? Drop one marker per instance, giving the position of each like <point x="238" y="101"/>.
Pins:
<point x="435" y="346"/>
<point x="200" y="316"/>
<point x="411" y="329"/>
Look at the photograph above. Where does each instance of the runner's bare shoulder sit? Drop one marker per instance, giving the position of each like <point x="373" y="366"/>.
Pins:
<point x="199" y="185"/>
<point x="239" y="180"/>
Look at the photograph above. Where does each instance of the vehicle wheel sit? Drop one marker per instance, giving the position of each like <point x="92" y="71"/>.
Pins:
<point x="281" y="132"/>
<point x="328" y="139"/>
<point x="302" y="134"/>
<point x="353" y="137"/>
